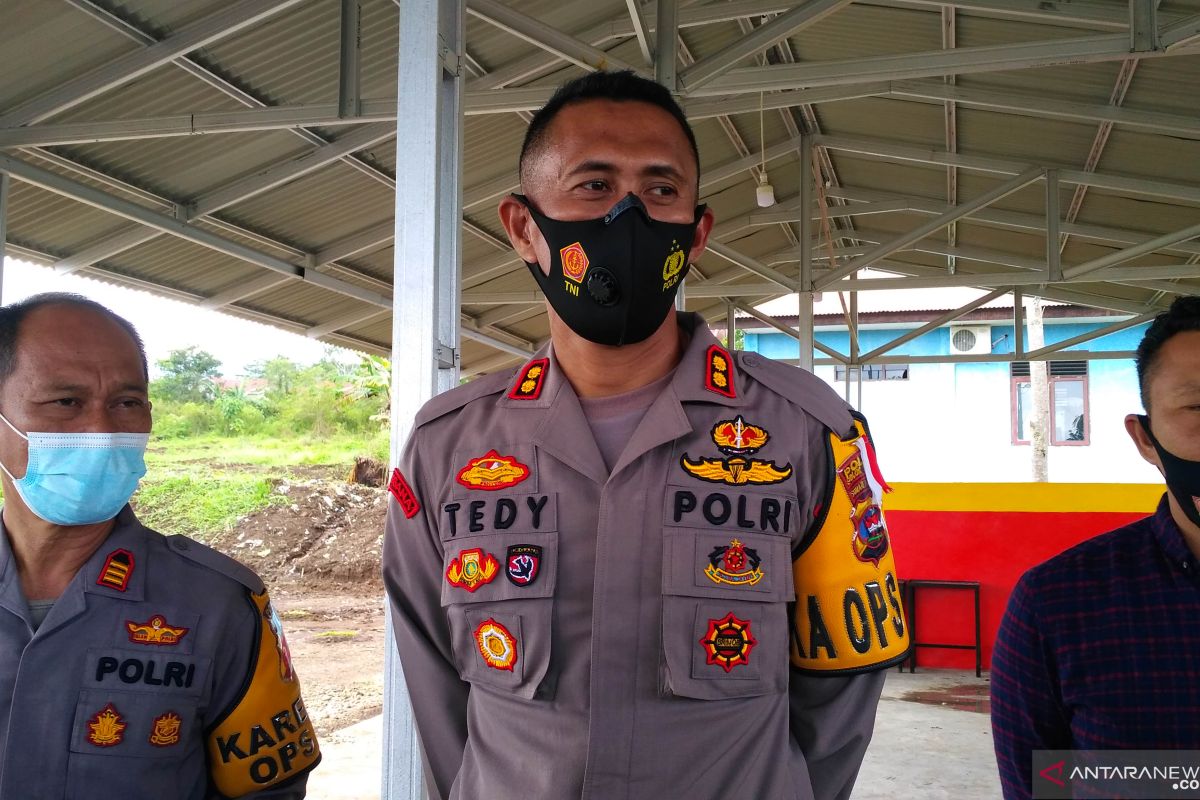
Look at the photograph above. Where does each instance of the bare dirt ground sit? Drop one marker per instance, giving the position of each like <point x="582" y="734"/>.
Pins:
<point x="318" y="551"/>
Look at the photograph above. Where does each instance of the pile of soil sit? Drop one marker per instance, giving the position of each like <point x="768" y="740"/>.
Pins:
<point x="317" y="531"/>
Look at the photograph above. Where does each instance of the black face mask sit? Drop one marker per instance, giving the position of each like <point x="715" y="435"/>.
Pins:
<point x="1183" y="476"/>
<point x="613" y="280"/>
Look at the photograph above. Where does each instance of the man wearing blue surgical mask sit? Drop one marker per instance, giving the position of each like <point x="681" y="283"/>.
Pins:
<point x="1099" y="648"/>
<point x="150" y="666"/>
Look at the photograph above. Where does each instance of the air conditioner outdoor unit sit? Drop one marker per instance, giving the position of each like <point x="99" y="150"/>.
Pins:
<point x="970" y="340"/>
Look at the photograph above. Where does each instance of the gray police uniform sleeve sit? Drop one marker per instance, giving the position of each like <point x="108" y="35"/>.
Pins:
<point x="832" y="719"/>
<point x="412" y="573"/>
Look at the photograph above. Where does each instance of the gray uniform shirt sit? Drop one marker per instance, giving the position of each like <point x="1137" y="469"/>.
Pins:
<point x="58" y="737"/>
<point x="559" y="633"/>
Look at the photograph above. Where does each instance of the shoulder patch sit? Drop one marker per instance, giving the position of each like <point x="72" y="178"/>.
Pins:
<point x="802" y="388"/>
<point x="216" y="561"/>
<point x="459" y="396"/>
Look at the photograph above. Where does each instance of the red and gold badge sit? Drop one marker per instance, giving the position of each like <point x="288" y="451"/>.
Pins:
<point x="492" y="471"/>
<point x="404" y="494"/>
<point x="718" y="376"/>
<point x="728" y="642"/>
<point x="117" y="570"/>
<point x="734" y="564"/>
<point x="574" y="262"/>
<point x="472" y="569"/>
<point x="738" y="437"/>
<point x="106" y="728"/>
<point x="166" y="730"/>
<point x="854" y="479"/>
<point x="529" y="383"/>
<point x="155" y="631"/>
<point x="497" y="646"/>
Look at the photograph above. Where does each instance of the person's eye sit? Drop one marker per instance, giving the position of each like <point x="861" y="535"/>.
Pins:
<point x="131" y="402"/>
<point x="66" y="402"/>
<point x="664" y="191"/>
<point x="595" y="186"/>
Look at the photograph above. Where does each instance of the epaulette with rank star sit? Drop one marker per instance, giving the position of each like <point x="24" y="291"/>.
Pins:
<point x="528" y="385"/>
<point x="718" y="372"/>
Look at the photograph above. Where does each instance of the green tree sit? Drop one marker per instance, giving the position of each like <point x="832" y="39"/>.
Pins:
<point x="372" y="379"/>
<point x="188" y="376"/>
<point x="280" y="373"/>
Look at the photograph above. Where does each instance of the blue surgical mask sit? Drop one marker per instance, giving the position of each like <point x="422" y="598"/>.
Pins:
<point x="80" y="478"/>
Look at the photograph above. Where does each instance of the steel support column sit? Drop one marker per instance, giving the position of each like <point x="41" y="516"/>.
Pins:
<point x="425" y="317"/>
<point x="804" y="292"/>
<point x="666" y="51"/>
<point x="1053" y="260"/>
<point x="4" y="184"/>
<point x="350" y="62"/>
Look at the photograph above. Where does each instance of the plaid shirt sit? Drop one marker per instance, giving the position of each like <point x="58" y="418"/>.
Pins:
<point x="1100" y="649"/>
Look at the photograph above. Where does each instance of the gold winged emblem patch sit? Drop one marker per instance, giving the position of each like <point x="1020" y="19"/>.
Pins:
<point x="737" y="439"/>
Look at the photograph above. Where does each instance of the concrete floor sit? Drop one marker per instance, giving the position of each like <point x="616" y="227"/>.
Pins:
<point x="932" y="740"/>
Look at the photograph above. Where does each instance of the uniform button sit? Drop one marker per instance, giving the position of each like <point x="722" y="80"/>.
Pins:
<point x="180" y="543"/>
<point x="1187" y="566"/>
<point x="750" y="360"/>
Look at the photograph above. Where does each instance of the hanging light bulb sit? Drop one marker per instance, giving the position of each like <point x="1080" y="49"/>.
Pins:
<point x="765" y="193"/>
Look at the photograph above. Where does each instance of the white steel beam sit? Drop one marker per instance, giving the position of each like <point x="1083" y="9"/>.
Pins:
<point x="349" y="60"/>
<point x="933" y="325"/>
<point x="425" y="318"/>
<point x="961" y="61"/>
<point x="344" y="321"/>
<point x="1099" y="333"/>
<point x="640" y="30"/>
<point x="200" y="123"/>
<point x="920" y="232"/>
<point x="1184" y="33"/>
<point x="544" y="36"/>
<point x="497" y="344"/>
<point x="5" y="181"/>
<point x="751" y="265"/>
<point x="119" y="242"/>
<point x="126" y="68"/>
<point x="1129" y="253"/>
<point x="883" y="148"/>
<point x="282" y="172"/>
<point x="1047" y="106"/>
<point x="365" y="241"/>
<point x="1010" y="219"/>
<point x="89" y="195"/>
<point x="666" y="51"/>
<point x="239" y="94"/>
<point x="1110" y="15"/>
<point x="762" y="37"/>
<point x="702" y="108"/>
<point x="244" y="289"/>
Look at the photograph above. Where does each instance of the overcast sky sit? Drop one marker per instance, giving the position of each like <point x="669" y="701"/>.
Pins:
<point x="167" y="325"/>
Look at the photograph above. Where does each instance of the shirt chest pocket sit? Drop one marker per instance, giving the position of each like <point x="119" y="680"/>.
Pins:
<point x="725" y="609"/>
<point x="135" y="744"/>
<point x="498" y="594"/>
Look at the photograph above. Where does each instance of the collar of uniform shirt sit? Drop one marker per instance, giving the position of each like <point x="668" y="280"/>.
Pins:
<point x="1170" y="540"/>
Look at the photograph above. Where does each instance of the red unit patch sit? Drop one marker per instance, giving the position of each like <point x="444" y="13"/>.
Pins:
<point x="574" y="262"/>
<point x="404" y="494"/>
<point x="728" y="642"/>
<point x="718" y="373"/>
<point x="491" y="472"/>
<point x="117" y="570"/>
<point x="155" y="631"/>
<point x="529" y="384"/>
<point x="473" y="568"/>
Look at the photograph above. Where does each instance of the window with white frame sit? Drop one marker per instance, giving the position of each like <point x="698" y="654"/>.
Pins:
<point x="1069" y="424"/>
<point x="872" y="372"/>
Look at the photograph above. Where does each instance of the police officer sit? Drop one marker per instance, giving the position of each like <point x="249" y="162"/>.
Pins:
<point x="639" y="567"/>
<point x="132" y="665"/>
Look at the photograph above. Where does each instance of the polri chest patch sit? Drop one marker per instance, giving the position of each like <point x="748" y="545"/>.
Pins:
<point x="737" y="440"/>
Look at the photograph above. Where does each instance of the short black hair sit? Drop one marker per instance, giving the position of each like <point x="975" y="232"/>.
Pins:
<point x="11" y="317"/>
<point x="623" y="86"/>
<point x="1182" y="316"/>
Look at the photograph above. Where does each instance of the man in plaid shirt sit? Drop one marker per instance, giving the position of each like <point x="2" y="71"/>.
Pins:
<point x="1099" y="648"/>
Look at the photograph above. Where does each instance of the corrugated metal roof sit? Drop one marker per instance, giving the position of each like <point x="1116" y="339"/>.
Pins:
<point x="291" y="58"/>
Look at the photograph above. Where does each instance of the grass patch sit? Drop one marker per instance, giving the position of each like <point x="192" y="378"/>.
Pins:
<point x="336" y="636"/>
<point x="265" y="451"/>
<point x="201" y="503"/>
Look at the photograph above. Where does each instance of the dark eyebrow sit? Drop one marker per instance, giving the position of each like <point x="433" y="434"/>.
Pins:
<point x="79" y="388"/>
<point x="591" y="166"/>
<point x="664" y="171"/>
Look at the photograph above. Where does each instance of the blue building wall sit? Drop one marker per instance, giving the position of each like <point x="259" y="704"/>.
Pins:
<point x="972" y="403"/>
